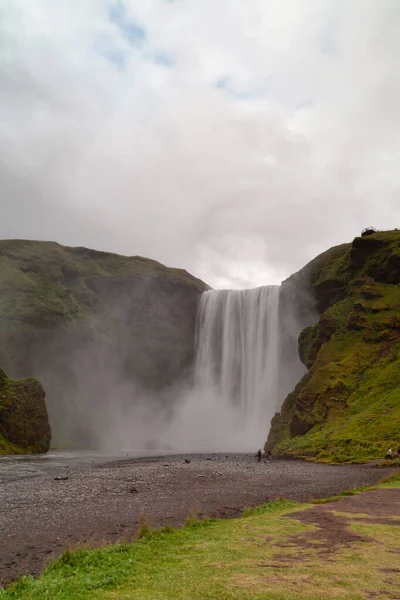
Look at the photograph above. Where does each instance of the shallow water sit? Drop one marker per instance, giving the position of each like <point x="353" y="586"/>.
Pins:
<point x="16" y="467"/>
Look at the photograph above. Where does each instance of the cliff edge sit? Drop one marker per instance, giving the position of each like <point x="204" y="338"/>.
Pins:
<point x="100" y="331"/>
<point x="24" y="424"/>
<point x="347" y="405"/>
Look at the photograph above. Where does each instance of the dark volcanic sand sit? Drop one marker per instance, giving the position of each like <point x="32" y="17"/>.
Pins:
<point x="39" y="517"/>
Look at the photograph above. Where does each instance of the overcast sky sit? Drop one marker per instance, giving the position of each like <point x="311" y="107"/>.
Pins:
<point x="234" y="138"/>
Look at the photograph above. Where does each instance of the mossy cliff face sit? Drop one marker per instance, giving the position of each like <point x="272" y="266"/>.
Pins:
<point x="94" y="327"/>
<point x="347" y="406"/>
<point x="24" y="424"/>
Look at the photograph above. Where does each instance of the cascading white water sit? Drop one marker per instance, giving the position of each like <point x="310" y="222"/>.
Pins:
<point x="237" y="356"/>
<point x="246" y="363"/>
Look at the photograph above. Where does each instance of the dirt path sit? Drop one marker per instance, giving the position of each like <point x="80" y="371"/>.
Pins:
<point x="377" y="507"/>
<point x="40" y="517"/>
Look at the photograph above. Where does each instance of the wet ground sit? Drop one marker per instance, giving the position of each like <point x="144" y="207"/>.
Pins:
<point x="13" y="468"/>
<point x="50" y="503"/>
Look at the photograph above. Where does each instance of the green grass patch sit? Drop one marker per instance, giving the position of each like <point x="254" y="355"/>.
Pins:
<point x="391" y="482"/>
<point x="197" y="561"/>
<point x="347" y="407"/>
<point x="259" y="557"/>
<point x="276" y="505"/>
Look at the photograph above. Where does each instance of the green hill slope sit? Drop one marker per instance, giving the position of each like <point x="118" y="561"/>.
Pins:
<point x="98" y="330"/>
<point x="347" y="406"/>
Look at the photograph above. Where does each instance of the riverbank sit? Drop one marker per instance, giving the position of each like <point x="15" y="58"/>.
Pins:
<point x="280" y="551"/>
<point x="41" y="516"/>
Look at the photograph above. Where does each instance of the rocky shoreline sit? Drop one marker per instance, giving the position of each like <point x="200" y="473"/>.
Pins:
<point x="41" y="516"/>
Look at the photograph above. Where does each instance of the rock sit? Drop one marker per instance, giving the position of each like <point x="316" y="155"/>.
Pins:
<point x="351" y="352"/>
<point x="300" y="424"/>
<point x="133" y="490"/>
<point x="187" y="461"/>
<point x="356" y="321"/>
<point x="62" y="478"/>
<point x="24" y="423"/>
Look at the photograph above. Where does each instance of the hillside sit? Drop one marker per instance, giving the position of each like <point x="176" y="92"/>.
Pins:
<point x="93" y="326"/>
<point x="347" y="406"/>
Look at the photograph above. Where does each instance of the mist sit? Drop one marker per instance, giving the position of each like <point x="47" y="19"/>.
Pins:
<point x="111" y="378"/>
<point x="244" y="363"/>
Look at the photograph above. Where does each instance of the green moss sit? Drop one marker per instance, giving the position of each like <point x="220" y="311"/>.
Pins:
<point x="323" y="264"/>
<point x="347" y="407"/>
<point x="45" y="282"/>
<point x="7" y="448"/>
<point x="24" y="424"/>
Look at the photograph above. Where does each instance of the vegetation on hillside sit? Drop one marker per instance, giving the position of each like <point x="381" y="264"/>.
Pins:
<point x="42" y="282"/>
<point x="347" y="406"/>
<point x="89" y="324"/>
<point x="24" y="424"/>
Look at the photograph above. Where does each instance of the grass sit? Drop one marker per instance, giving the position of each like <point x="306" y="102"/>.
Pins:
<point x="279" y="504"/>
<point x="340" y="496"/>
<point x="44" y="282"/>
<point x="393" y="481"/>
<point x="347" y="407"/>
<point x="255" y="557"/>
<point x="356" y="490"/>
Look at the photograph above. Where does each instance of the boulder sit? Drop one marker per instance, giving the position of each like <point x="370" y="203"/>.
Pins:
<point x="24" y="423"/>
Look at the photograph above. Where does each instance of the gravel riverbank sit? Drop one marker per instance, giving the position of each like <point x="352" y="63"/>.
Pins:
<point x="41" y="516"/>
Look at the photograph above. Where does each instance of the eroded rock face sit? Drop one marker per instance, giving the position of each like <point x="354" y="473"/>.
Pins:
<point x="348" y="403"/>
<point x="24" y="422"/>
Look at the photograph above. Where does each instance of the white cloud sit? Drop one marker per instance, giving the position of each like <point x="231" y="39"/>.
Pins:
<point x="129" y="144"/>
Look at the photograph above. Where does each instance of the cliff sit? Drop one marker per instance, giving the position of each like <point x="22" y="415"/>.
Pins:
<point x="96" y="328"/>
<point x="24" y="424"/>
<point x="347" y="405"/>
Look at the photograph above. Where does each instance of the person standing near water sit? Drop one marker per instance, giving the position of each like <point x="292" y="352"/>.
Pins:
<point x="259" y="456"/>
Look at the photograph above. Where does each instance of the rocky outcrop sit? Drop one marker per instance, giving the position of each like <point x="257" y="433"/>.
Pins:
<point x="24" y="423"/>
<point x="347" y="406"/>
<point x="98" y="329"/>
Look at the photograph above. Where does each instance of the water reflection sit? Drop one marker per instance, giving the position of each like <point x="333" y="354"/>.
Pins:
<point x="17" y="467"/>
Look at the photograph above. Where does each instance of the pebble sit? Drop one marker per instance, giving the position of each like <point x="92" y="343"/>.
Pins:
<point x="36" y="511"/>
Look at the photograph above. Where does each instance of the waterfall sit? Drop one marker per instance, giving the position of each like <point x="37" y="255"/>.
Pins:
<point x="246" y="363"/>
<point x="237" y="354"/>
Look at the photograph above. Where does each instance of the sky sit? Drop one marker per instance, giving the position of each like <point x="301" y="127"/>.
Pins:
<point x="235" y="139"/>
